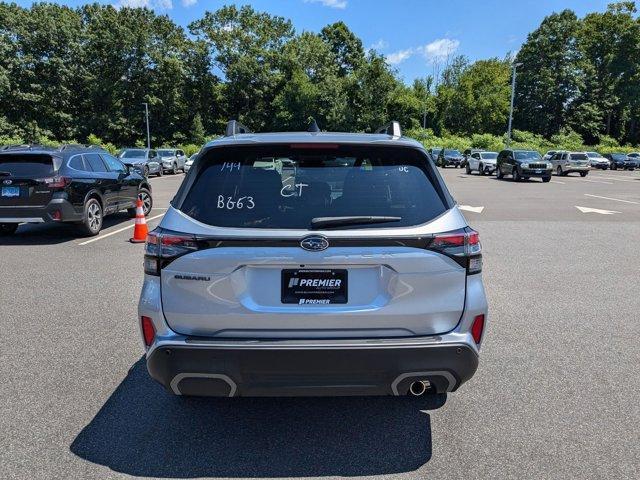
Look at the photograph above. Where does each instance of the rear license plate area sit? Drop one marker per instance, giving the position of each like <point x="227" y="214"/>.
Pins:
<point x="314" y="286"/>
<point x="10" y="192"/>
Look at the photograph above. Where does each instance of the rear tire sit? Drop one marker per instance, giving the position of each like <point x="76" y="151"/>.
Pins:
<point x="499" y="174"/>
<point x="583" y="174"/>
<point x="481" y="171"/>
<point x="8" y="229"/>
<point x="546" y="179"/>
<point x="92" y="218"/>
<point x="145" y="171"/>
<point x="559" y="172"/>
<point x="174" y="169"/>
<point x="468" y="169"/>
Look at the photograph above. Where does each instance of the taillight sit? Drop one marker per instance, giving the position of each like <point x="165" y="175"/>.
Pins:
<point x="148" y="331"/>
<point x="463" y="246"/>
<point x="163" y="247"/>
<point x="55" y="182"/>
<point x="476" y="328"/>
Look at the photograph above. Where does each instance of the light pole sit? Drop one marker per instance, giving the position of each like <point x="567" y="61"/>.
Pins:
<point x="146" y="110"/>
<point x="513" y="94"/>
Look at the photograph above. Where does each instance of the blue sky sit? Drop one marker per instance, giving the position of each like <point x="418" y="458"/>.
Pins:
<point x="415" y="35"/>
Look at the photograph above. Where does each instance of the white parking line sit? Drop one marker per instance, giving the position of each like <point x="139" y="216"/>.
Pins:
<point x="614" y="199"/>
<point x="556" y="181"/>
<point x="617" y="179"/>
<point x="128" y="227"/>
<point x="597" y="181"/>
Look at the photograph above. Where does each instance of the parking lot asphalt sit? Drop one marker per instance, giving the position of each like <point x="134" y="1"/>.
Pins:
<point x="556" y="394"/>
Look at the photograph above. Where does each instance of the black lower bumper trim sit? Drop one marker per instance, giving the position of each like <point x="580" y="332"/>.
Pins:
<point x="379" y="370"/>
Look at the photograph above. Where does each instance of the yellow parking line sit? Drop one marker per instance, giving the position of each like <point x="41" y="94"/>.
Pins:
<point x="128" y="227"/>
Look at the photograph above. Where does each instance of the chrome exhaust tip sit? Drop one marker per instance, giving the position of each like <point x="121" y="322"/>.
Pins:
<point x="419" y="387"/>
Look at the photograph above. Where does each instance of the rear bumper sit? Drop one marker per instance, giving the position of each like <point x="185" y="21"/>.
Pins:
<point x="195" y="366"/>
<point x="41" y="214"/>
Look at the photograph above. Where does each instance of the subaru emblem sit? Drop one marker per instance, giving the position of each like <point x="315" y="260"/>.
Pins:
<point x="7" y="182"/>
<point x="314" y="243"/>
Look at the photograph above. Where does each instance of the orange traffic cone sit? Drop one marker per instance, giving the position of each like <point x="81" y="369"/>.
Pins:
<point x="140" y="230"/>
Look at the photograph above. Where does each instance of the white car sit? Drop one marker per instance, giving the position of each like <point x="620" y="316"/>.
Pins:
<point x="598" y="161"/>
<point x="547" y="156"/>
<point x="481" y="161"/>
<point x="189" y="162"/>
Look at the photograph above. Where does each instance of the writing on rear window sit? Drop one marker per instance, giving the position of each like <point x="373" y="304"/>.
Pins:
<point x="277" y="186"/>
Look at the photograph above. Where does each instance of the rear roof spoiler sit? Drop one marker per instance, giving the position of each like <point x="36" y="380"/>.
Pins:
<point x="391" y="128"/>
<point x="235" y="128"/>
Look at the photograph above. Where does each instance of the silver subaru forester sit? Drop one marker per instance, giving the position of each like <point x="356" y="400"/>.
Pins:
<point x="312" y="263"/>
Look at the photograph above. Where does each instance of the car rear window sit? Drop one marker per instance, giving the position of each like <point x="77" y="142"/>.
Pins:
<point x="30" y="165"/>
<point x="579" y="156"/>
<point x="283" y="186"/>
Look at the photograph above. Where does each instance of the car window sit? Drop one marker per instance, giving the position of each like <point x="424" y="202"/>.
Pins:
<point x="283" y="187"/>
<point x="527" y="155"/>
<point x="95" y="162"/>
<point x="27" y="165"/>
<point x="113" y="163"/>
<point x="166" y="153"/>
<point x="180" y="152"/>
<point x="488" y="155"/>
<point x="152" y="154"/>
<point x="133" y="154"/>
<point x="77" y="163"/>
<point x="579" y="156"/>
<point x="476" y="156"/>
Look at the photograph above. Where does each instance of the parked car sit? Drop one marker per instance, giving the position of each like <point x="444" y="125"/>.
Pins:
<point x="522" y="165"/>
<point x="434" y="152"/>
<point x="481" y="161"/>
<point x="635" y="158"/>
<point x="597" y="161"/>
<point x="620" y="160"/>
<point x="448" y="157"/>
<point x="172" y="159"/>
<point x="258" y="282"/>
<point x="565" y="163"/>
<point x="547" y="156"/>
<point x="189" y="162"/>
<point x="72" y="184"/>
<point x="144" y="159"/>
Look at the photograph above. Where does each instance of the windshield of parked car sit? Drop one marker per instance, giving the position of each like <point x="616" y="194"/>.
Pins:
<point x="593" y="155"/>
<point x="618" y="156"/>
<point x="283" y="186"/>
<point x="489" y="155"/>
<point x="133" y="154"/>
<point x="166" y="153"/>
<point x="452" y="153"/>
<point x="527" y="155"/>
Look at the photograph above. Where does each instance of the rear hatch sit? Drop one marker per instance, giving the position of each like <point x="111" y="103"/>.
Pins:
<point x="311" y="241"/>
<point x="579" y="160"/>
<point x="26" y="179"/>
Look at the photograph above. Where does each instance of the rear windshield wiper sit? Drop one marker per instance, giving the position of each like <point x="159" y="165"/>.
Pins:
<point x="320" y="222"/>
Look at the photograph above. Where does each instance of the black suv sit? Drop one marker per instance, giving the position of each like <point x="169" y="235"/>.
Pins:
<point x="448" y="157"/>
<point x="73" y="183"/>
<point x="522" y="165"/>
<point x="620" y="160"/>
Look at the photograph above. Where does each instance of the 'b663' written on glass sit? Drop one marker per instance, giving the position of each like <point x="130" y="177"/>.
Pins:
<point x="230" y="204"/>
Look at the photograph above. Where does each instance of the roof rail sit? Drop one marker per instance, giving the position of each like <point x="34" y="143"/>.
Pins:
<point x="313" y="126"/>
<point x="16" y="147"/>
<point x="234" y="128"/>
<point x="391" y="128"/>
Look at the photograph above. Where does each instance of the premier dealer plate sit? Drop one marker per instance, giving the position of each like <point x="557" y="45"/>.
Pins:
<point x="314" y="286"/>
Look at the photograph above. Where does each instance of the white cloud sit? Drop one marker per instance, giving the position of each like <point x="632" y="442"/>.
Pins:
<point x="439" y="49"/>
<point x="153" y="4"/>
<point x="189" y="3"/>
<point x="379" y="45"/>
<point x="132" y="3"/>
<point x="400" y="56"/>
<point x="340" y="4"/>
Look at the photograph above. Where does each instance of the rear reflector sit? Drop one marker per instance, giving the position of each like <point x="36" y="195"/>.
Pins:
<point x="477" y="328"/>
<point x="148" y="332"/>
